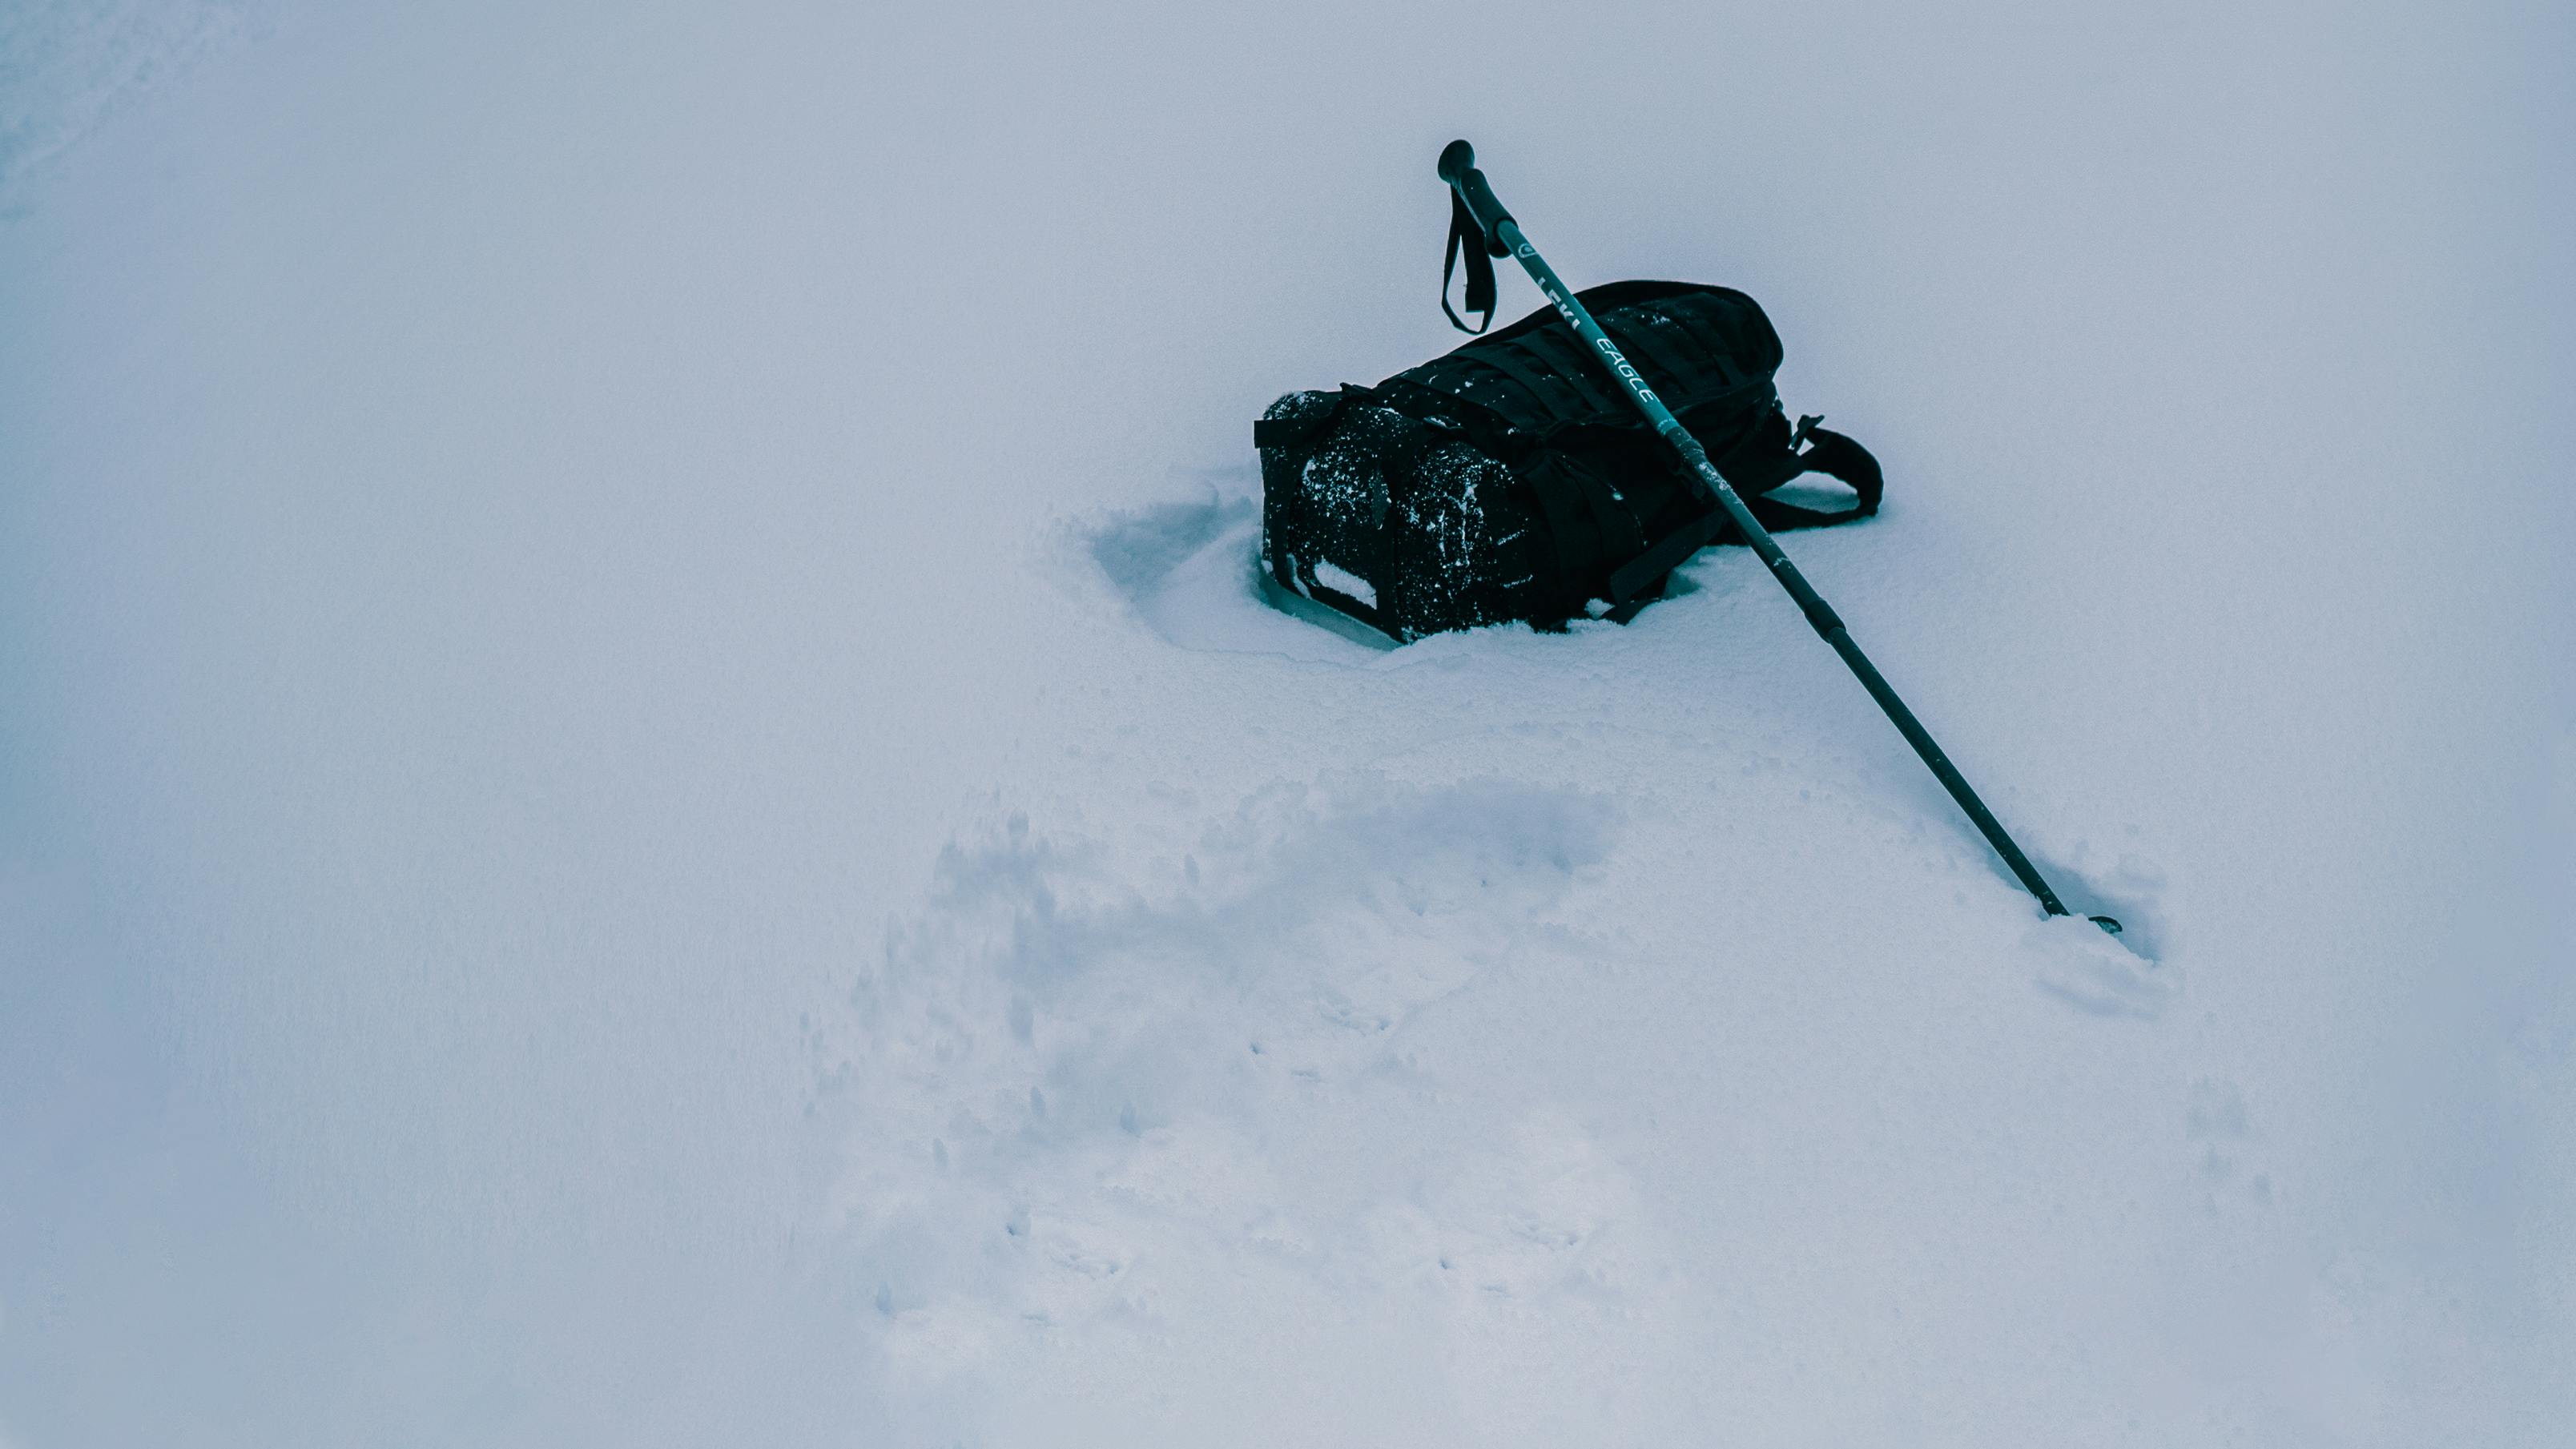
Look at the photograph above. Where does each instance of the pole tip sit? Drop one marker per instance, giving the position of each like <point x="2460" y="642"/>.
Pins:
<point x="1456" y="159"/>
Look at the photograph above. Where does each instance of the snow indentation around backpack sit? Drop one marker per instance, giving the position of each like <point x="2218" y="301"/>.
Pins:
<point x="1191" y="573"/>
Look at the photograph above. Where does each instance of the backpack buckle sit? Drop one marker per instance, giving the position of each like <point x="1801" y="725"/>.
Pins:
<point x="1806" y="425"/>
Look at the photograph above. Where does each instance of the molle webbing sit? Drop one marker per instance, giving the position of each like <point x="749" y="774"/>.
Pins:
<point x="1693" y="345"/>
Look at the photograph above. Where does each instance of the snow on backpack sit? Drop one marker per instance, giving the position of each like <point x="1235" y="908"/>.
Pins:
<point x="1513" y="480"/>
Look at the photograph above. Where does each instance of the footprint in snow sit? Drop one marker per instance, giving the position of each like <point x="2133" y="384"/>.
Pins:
<point x="1064" y="1068"/>
<point x="2219" y="1125"/>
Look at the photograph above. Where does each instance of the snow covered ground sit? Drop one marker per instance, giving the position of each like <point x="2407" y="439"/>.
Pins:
<point x="643" y="798"/>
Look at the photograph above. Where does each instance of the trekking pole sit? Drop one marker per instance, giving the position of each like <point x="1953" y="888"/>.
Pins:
<point x="1503" y="237"/>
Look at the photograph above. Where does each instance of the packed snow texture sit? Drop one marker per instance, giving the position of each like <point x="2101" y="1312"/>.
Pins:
<point x="645" y="797"/>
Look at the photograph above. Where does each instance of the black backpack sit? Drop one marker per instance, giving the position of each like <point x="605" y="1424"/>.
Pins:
<point x="1512" y="479"/>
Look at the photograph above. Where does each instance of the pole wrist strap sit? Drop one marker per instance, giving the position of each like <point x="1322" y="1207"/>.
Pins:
<point x="1465" y="235"/>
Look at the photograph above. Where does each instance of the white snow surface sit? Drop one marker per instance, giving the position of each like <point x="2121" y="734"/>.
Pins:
<point x="645" y="799"/>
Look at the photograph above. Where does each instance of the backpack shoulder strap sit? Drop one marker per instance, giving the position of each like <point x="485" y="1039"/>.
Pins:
<point x="1836" y="455"/>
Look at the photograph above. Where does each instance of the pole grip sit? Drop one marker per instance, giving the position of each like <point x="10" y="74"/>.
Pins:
<point x="1458" y="168"/>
